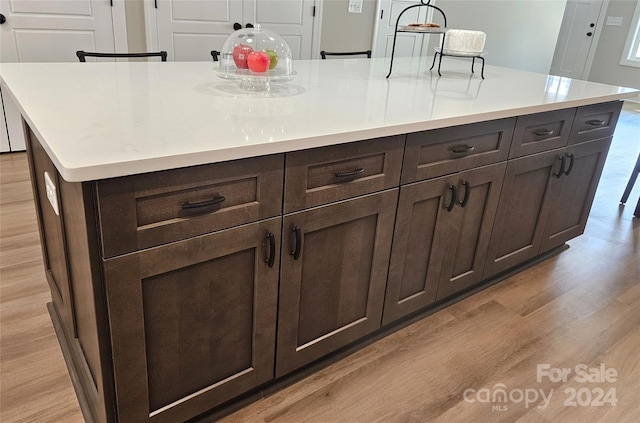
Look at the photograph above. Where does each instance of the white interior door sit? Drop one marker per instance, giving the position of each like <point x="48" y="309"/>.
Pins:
<point x="291" y="19"/>
<point x="189" y="29"/>
<point x="575" y="41"/>
<point x="53" y="30"/>
<point x="407" y="44"/>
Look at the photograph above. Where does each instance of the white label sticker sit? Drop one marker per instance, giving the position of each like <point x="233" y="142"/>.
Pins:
<point x="51" y="192"/>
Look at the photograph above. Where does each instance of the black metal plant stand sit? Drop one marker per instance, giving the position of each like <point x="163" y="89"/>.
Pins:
<point x="439" y="52"/>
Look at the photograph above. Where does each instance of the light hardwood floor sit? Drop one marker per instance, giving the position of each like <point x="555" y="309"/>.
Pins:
<point x="580" y="307"/>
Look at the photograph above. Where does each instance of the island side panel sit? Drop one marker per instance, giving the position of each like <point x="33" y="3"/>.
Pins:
<point x="72" y="264"/>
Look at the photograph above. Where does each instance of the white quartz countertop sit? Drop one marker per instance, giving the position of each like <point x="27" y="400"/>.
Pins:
<point x="102" y="120"/>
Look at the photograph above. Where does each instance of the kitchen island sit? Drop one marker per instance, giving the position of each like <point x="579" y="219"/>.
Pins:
<point x="192" y="227"/>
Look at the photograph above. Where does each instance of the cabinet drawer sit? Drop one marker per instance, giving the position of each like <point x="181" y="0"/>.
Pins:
<point x="541" y="132"/>
<point x="595" y="121"/>
<point x="151" y="209"/>
<point x="443" y="151"/>
<point x="327" y="174"/>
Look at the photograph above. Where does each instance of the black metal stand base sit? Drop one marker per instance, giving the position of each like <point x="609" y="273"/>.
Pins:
<point x="473" y="61"/>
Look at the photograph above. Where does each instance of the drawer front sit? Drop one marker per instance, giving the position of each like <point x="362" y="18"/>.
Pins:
<point x="595" y="121"/>
<point x="541" y="132"/>
<point x="147" y="210"/>
<point x="438" y="152"/>
<point x="328" y="174"/>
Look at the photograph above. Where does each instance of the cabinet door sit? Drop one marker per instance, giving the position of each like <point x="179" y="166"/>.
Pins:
<point x="332" y="288"/>
<point x="468" y="239"/>
<point x="52" y="232"/>
<point x="573" y="193"/>
<point x="192" y="322"/>
<point x="440" y="242"/>
<point x="519" y="224"/>
<point x="422" y="228"/>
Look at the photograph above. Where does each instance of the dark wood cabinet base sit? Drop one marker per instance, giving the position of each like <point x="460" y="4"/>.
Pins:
<point x="230" y="304"/>
<point x="278" y="384"/>
<point x="87" y="413"/>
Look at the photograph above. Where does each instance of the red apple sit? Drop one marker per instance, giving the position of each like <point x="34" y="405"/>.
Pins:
<point x="258" y="61"/>
<point x="240" y="54"/>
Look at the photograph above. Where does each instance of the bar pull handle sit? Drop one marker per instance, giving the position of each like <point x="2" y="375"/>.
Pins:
<point x="272" y="249"/>
<point x="460" y="149"/>
<point x="202" y="204"/>
<point x="454" y="197"/>
<point x="357" y="171"/>
<point x="543" y="132"/>
<point x="570" y="168"/>
<point x="467" y="192"/>
<point x="561" y="171"/>
<point x="298" y="243"/>
<point x="595" y="122"/>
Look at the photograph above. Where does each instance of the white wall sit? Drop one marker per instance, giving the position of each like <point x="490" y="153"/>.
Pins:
<point x="343" y="31"/>
<point x="606" y="67"/>
<point x="521" y="34"/>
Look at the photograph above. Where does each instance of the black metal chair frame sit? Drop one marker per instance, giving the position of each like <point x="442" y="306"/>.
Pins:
<point x="324" y="54"/>
<point x="629" y="187"/>
<point x="83" y="54"/>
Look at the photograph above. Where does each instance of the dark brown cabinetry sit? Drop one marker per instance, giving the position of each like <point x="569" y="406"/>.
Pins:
<point x="176" y="292"/>
<point x="541" y="132"/>
<point x="146" y="210"/>
<point x="430" y="154"/>
<point x="441" y="237"/>
<point x="572" y="194"/>
<point x="193" y="322"/>
<point x="334" y="271"/>
<point x="323" y="175"/>
<point x="517" y="232"/>
<point x="547" y="197"/>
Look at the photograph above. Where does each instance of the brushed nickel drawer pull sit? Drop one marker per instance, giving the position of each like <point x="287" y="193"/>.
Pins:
<point x="201" y="204"/>
<point x="543" y="132"/>
<point x="459" y="149"/>
<point x="357" y="171"/>
<point x="595" y="122"/>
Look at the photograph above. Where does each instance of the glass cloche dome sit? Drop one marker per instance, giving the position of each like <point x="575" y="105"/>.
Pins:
<point x="256" y="57"/>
